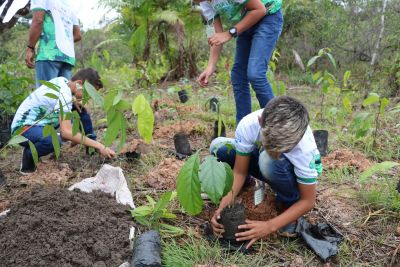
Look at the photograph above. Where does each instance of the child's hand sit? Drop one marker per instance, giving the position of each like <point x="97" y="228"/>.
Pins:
<point x="107" y="152"/>
<point x="218" y="229"/>
<point x="255" y="230"/>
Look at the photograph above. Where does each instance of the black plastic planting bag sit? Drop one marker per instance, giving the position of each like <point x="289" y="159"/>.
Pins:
<point x="147" y="250"/>
<point x="321" y="238"/>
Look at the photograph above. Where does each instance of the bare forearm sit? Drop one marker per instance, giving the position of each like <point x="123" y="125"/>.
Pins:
<point x="215" y="52"/>
<point x="293" y="213"/>
<point x="251" y="18"/>
<point x="84" y="141"/>
<point x="34" y="32"/>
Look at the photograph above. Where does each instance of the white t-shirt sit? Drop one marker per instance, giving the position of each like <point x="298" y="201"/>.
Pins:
<point x="64" y="20"/>
<point x="41" y="110"/>
<point x="305" y="156"/>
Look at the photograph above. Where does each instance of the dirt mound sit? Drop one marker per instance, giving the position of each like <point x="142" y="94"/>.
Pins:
<point x="263" y="212"/>
<point x="346" y="158"/>
<point x="57" y="227"/>
<point x="164" y="176"/>
<point x="49" y="172"/>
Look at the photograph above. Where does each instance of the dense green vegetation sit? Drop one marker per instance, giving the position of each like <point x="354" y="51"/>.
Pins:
<point x="337" y="56"/>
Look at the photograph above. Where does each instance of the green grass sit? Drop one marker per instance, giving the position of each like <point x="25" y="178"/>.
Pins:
<point x="382" y="193"/>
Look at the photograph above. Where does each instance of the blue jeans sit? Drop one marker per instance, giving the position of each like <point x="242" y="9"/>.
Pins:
<point x="86" y="123"/>
<point x="254" y="48"/>
<point x="279" y="174"/>
<point x="47" y="70"/>
<point x="43" y="145"/>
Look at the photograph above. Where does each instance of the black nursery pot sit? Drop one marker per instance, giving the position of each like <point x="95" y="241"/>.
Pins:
<point x="2" y="179"/>
<point x="131" y="156"/>
<point x="214" y="104"/>
<point x="182" y="145"/>
<point x="183" y="96"/>
<point x="5" y="131"/>
<point x="223" y="131"/>
<point x="231" y="218"/>
<point x="321" y="138"/>
<point x="147" y="250"/>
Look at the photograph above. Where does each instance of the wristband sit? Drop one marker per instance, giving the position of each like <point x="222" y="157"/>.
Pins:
<point x="31" y="47"/>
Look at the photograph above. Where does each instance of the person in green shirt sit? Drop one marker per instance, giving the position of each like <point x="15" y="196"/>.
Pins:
<point x="56" y="28"/>
<point x="256" y="25"/>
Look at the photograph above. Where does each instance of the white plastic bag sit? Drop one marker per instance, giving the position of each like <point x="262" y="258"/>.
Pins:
<point x="110" y="180"/>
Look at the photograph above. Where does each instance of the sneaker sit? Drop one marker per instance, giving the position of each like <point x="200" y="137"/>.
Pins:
<point x="288" y="230"/>
<point x="27" y="163"/>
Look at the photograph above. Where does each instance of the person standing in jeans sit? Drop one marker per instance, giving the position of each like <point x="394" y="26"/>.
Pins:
<point x="56" y="28"/>
<point x="256" y="25"/>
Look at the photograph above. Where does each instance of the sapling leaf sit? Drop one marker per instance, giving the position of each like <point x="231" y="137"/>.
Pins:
<point x="316" y="76"/>
<point x="188" y="186"/>
<point x="170" y="230"/>
<point x="213" y="178"/>
<point x="93" y="93"/>
<point x="346" y="78"/>
<point x="312" y="60"/>
<point x="109" y="100"/>
<point x="377" y="168"/>
<point x="51" y="95"/>
<point x="151" y="200"/>
<point x="50" y="85"/>
<point x="118" y="97"/>
<point x="163" y="202"/>
<point x="384" y="103"/>
<point x="168" y="215"/>
<point x="332" y="60"/>
<point x="228" y="180"/>
<point x="16" y="139"/>
<point x="141" y="211"/>
<point x="347" y="104"/>
<point x="49" y="130"/>
<point x="114" y="124"/>
<point x="34" y="152"/>
<point x="371" y="99"/>
<point x="145" y="117"/>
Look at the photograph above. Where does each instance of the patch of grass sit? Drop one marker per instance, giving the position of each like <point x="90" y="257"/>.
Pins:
<point x="339" y="175"/>
<point x="382" y="193"/>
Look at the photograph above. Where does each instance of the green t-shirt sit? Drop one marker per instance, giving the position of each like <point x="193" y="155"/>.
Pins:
<point x="56" y="41"/>
<point x="234" y="10"/>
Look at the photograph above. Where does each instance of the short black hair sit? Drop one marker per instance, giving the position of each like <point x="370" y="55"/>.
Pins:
<point x="90" y="75"/>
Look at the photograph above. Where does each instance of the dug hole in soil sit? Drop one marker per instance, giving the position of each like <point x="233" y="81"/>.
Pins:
<point x="58" y="227"/>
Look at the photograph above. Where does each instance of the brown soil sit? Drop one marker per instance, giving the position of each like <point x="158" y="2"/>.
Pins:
<point x="164" y="176"/>
<point x="49" y="172"/>
<point x="195" y="129"/>
<point x="57" y="227"/>
<point x="346" y="158"/>
<point x="263" y="212"/>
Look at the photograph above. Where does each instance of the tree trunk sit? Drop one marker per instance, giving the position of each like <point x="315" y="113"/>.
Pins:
<point x="378" y="42"/>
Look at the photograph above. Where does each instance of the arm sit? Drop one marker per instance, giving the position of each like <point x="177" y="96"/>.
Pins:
<point x="259" y="229"/>
<point x="215" y="52"/>
<point x="255" y="11"/>
<point x="34" y="34"/>
<point x="66" y="133"/>
<point x="77" y="33"/>
<point x="240" y="171"/>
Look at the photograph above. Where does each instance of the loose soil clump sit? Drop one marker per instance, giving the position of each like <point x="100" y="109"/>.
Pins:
<point x="346" y="158"/>
<point x="58" y="227"/>
<point x="164" y="176"/>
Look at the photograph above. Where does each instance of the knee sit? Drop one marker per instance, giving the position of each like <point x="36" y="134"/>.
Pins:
<point x="265" y="163"/>
<point x="255" y="75"/>
<point x="216" y="144"/>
